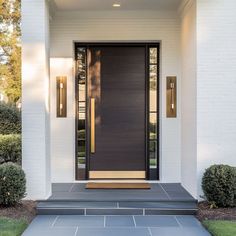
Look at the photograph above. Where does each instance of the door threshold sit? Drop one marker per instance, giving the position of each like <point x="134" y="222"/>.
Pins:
<point x="117" y="181"/>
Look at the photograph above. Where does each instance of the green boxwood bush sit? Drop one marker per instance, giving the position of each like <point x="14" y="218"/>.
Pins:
<point x="12" y="184"/>
<point x="10" y="148"/>
<point x="10" y="119"/>
<point x="219" y="185"/>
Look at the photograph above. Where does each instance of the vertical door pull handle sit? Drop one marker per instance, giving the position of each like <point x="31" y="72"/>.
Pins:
<point x="92" y="125"/>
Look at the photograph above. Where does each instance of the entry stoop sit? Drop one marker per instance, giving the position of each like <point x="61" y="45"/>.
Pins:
<point x="75" y="199"/>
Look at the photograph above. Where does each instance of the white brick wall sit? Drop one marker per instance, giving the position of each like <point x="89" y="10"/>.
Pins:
<point x="67" y="27"/>
<point x="35" y="81"/>
<point x="188" y="98"/>
<point x="62" y="129"/>
<point x="216" y="83"/>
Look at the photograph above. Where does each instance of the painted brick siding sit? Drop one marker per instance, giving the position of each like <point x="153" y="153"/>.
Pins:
<point x="35" y="81"/>
<point x="117" y="26"/>
<point x="216" y="83"/>
<point x="188" y="100"/>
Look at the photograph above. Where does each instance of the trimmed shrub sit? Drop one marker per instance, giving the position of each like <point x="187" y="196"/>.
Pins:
<point x="10" y="119"/>
<point x="219" y="185"/>
<point x="12" y="184"/>
<point x="10" y="148"/>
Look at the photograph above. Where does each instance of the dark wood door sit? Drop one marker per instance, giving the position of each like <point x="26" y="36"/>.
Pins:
<point x="116" y="91"/>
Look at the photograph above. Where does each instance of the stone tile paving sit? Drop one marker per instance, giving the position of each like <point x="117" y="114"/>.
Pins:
<point x="74" y="225"/>
<point x="158" y="191"/>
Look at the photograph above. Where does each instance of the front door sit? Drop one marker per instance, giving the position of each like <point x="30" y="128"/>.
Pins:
<point x="116" y="112"/>
<point x="117" y="128"/>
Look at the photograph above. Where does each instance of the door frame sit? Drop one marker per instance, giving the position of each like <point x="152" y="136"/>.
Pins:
<point x="147" y="45"/>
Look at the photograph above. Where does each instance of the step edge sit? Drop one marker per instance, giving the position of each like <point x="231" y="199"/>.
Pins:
<point x="164" y="209"/>
<point x="128" y="200"/>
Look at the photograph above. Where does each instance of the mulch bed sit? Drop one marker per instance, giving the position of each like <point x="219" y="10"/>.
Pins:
<point x="206" y="213"/>
<point x="25" y="210"/>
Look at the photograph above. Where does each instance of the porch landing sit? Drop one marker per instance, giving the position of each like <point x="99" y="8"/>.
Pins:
<point x="158" y="192"/>
<point x="75" y="199"/>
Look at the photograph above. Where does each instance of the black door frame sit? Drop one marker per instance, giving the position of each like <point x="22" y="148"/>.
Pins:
<point x="114" y="44"/>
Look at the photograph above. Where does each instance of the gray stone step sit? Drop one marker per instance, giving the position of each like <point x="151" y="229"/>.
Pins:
<point x="116" y="208"/>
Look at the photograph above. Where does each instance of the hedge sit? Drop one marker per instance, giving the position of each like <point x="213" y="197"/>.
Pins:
<point x="219" y="185"/>
<point x="10" y="119"/>
<point x="12" y="184"/>
<point x="10" y="148"/>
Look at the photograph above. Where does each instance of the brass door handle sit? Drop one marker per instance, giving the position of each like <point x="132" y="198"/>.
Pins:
<point x="92" y="125"/>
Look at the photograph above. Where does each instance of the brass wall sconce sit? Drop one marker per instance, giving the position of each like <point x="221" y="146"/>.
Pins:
<point x="171" y="98"/>
<point x="61" y="96"/>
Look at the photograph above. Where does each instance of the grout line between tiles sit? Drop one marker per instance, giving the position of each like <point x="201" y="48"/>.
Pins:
<point x="77" y="228"/>
<point x="165" y="192"/>
<point x="71" y="188"/>
<point x="149" y="230"/>
<point x="53" y="223"/>
<point x="135" y="225"/>
<point x="178" y="221"/>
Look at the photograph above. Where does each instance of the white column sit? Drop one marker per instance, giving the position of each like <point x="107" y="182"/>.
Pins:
<point x="188" y="98"/>
<point x="216" y="84"/>
<point x="35" y="98"/>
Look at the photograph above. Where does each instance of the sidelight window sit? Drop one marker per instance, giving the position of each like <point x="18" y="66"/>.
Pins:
<point x="81" y="110"/>
<point x="153" y="112"/>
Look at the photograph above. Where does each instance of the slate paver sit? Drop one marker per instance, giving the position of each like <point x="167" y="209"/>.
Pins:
<point x="119" y="221"/>
<point x="43" y="221"/>
<point x="188" y="221"/>
<point x="156" y="221"/>
<point x="179" y="231"/>
<point x="80" y="221"/>
<point x="113" y="232"/>
<point x="76" y="225"/>
<point x="66" y="231"/>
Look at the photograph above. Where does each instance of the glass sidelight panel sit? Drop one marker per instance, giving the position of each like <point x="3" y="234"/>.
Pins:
<point x="153" y="112"/>
<point x="153" y="55"/>
<point x="153" y="154"/>
<point x="152" y="126"/>
<point x="81" y="110"/>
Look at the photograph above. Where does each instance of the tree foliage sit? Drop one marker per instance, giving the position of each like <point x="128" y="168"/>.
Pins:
<point x="10" y="49"/>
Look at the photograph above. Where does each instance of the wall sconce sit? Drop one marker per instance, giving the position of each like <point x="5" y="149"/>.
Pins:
<point x="61" y="96"/>
<point x="171" y="103"/>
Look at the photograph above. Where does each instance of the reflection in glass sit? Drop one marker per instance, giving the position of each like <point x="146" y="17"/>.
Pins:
<point x="82" y="92"/>
<point x="153" y="153"/>
<point x="81" y="134"/>
<point x="81" y="125"/>
<point x="153" y="55"/>
<point x="153" y="101"/>
<point x="153" y="73"/>
<point x="82" y="107"/>
<point x="152" y="126"/>
<point x="152" y="146"/>
<point x="153" y="132"/>
<point x="153" y="162"/>
<point x="81" y="65"/>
